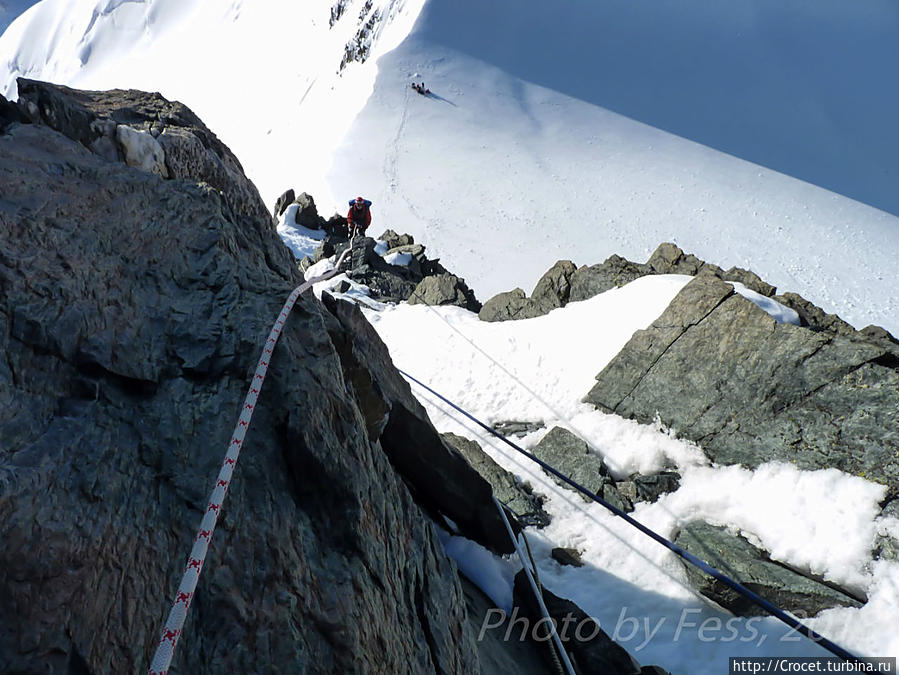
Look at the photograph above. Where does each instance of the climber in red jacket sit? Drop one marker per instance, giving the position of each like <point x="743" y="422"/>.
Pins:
<point x="359" y="216"/>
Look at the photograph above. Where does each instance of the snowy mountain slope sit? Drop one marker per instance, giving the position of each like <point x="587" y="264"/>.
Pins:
<point x="517" y="159"/>
<point x="268" y="77"/>
<point x="537" y="369"/>
<point x="501" y="177"/>
<point x="809" y="89"/>
<point x="824" y="521"/>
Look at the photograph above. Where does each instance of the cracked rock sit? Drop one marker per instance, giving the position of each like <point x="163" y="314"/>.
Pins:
<point x="721" y="372"/>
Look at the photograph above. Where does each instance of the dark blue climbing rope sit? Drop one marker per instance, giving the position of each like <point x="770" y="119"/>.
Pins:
<point x="772" y="609"/>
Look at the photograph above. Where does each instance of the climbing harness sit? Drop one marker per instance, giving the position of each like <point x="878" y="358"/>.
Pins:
<point x="174" y="624"/>
<point x="686" y="555"/>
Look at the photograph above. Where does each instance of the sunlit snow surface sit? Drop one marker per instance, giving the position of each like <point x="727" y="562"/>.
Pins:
<point x="517" y="159"/>
<point x="539" y="369"/>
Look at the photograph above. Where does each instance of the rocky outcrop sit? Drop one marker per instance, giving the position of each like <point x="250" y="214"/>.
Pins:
<point x="444" y="289"/>
<point x="565" y="282"/>
<point x="497" y="654"/>
<point x="886" y="547"/>
<point x="649" y="487"/>
<point x="516" y="496"/>
<point x="572" y="457"/>
<point x="146" y="131"/>
<point x="721" y="372"/>
<point x="306" y="213"/>
<point x="286" y="199"/>
<point x="589" y="648"/>
<point x="132" y="312"/>
<point x="412" y="277"/>
<point x="736" y="557"/>
<point x="518" y="428"/>
<point x="552" y="290"/>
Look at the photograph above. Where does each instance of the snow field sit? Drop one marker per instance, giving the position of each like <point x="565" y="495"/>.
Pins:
<point x="538" y="369"/>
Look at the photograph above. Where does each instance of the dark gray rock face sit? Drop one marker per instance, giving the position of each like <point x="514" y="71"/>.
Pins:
<point x="740" y="560"/>
<point x="132" y="312"/>
<point x="191" y="151"/>
<point x="596" y="653"/>
<point x="516" y="496"/>
<point x="572" y="457"/>
<point x="595" y="279"/>
<point x="286" y="199"/>
<point x="444" y="289"/>
<point x="721" y="372"/>
<point x="564" y="282"/>
<point x="307" y="213"/>
<point x="648" y="488"/>
<point x="498" y="655"/>
<point x="439" y="477"/>
<point x="886" y="547"/>
<point x="552" y="290"/>
<point x="517" y="427"/>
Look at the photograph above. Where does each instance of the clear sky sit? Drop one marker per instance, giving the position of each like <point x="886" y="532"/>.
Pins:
<point x="10" y="9"/>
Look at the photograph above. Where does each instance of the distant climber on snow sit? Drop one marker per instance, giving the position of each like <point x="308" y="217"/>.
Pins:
<point x="420" y="88"/>
<point x="359" y="216"/>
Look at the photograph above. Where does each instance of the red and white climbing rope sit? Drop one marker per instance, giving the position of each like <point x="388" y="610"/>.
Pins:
<point x="174" y="624"/>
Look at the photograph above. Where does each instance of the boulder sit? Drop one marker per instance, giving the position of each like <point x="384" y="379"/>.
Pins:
<point x="191" y="151"/>
<point x="736" y="557"/>
<point x="307" y="214"/>
<point x="444" y="289"/>
<point x="648" y="488"/>
<point x="286" y="199"/>
<point x="588" y="645"/>
<point x="567" y="556"/>
<point x="554" y="288"/>
<point x="572" y="457"/>
<point x="720" y="371"/>
<point x="613" y="273"/>
<point x="552" y="291"/>
<point x="506" y="306"/>
<point x="516" y="496"/>
<point x="517" y="428"/>
<point x="668" y="258"/>
<point x="394" y="240"/>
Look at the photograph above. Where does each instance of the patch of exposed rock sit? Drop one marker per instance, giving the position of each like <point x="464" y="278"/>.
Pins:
<point x="573" y="457"/>
<point x="721" y="372"/>
<point x="589" y="648"/>
<point x="418" y="280"/>
<point x="564" y="282"/>
<point x="147" y="132"/>
<point x="132" y="312"/>
<point x="736" y="557"/>
<point x="518" y="497"/>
